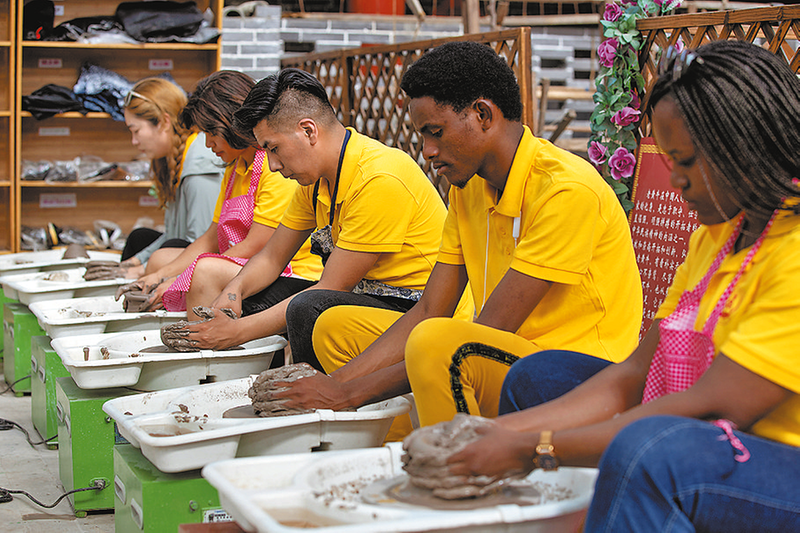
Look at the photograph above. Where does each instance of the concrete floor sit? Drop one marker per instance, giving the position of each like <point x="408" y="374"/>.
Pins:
<point x="35" y="470"/>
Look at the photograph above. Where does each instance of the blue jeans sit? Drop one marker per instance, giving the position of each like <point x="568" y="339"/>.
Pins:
<point x="544" y="376"/>
<point x="668" y="474"/>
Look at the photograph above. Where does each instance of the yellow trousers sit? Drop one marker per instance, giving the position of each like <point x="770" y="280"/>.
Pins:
<point x="482" y="358"/>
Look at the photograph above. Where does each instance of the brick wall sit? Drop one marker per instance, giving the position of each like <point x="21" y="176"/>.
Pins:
<point x="255" y="45"/>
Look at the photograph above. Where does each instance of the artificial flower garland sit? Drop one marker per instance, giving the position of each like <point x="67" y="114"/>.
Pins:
<point x="616" y="115"/>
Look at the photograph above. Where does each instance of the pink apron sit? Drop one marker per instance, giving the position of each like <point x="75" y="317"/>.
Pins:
<point x="235" y="220"/>
<point x="683" y="354"/>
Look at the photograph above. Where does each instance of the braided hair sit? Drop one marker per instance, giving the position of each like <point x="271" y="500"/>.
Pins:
<point x="163" y="98"/>
<point x="741" y="105"/>
<point x="213" y="103"/>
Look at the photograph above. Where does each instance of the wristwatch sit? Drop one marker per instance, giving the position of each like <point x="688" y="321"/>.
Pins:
<point x="545" y="452"/>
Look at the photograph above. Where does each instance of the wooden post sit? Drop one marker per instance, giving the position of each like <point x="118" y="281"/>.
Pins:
<point x="472" y="15"/>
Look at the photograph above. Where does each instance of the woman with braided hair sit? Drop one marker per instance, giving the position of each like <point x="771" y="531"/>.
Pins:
<point x="699" y="429"/>
<point x="186" y="173"/>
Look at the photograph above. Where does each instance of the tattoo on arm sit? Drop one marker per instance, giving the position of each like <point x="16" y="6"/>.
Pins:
<point x="231" y="297"/>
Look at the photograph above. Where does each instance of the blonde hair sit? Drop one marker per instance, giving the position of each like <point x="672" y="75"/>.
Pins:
<point x="162" y="98"/>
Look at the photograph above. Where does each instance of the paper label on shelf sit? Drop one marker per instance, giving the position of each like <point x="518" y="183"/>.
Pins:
<point x="148" y="201"/>
<point x="160" y="64"/>
<point x="49" y="200"/>
<point x="50" y="62"/>
<point x="54" y="132"/>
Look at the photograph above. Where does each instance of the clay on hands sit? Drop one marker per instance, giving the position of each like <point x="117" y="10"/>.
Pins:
<point x="263" y="389"/>
<point x="427" y="450"/>
<point x="176" y="336"/>
<point x="135" y="297"/>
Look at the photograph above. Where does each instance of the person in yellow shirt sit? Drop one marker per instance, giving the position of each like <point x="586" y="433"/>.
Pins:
<point x="722" y="352"/>
<point x="535" y="232"/>
<point x="376" y="218"/>
<point x="251" y="201"/>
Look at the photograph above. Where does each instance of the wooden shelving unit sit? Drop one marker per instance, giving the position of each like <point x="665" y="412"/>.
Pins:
<point x="7" y="125"/>
<point x="69" y="135"/>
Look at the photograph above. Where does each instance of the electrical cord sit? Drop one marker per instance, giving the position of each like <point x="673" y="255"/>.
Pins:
<point x="5" y="494"/>
<point x="10" y="424"/>
<point x="11" y="387"/>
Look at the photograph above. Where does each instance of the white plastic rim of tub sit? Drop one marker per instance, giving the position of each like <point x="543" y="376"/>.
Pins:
<point x="52" y="318"/>
<point x="71" y="349"/>
<point x="154" y="408"/>
<point x="47" y="259"/>
<point x="31" y="288"/>
<point x="250" y="487"/>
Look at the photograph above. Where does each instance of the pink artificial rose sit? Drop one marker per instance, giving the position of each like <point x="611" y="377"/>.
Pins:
<point x="626" y="116"/>
<point x="613" y="12"/>
<point x="598" y="153"/>
<point x="635" y="103"/>
<point x="679" y="45"/>
<point x="607" y="51"/>
<point x="622" y="163"/>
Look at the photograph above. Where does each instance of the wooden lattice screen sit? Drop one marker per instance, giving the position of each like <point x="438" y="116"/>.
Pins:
<point x="774" y="28"/>
<point x="363" y="85"/>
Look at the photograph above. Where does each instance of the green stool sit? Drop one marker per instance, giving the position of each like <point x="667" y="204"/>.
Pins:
<point x="86" y="437"/>
<point x="5" y="300"/>
<point x="149" y="500"/>
<point x="46" y="367"/>
<point x="19" y="325"/>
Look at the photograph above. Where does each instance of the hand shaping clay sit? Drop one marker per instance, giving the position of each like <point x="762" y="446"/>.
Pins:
<point x="264" y="386"/>
<point x="427" y="450"/>
<point x="176" y="336"/>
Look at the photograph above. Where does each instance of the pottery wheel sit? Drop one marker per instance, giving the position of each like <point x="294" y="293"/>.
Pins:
<point x="243" y="411"/>
<point x="399" y="492"/>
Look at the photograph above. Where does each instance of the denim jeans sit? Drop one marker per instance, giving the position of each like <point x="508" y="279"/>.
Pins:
<point x="303" y="310"/>
<point x="669" y="474"/>
<point x="544" y="376"/>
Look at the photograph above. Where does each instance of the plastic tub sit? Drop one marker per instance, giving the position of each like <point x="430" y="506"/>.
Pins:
<point x="34" y="287"/>
<point x="291" y="493"/>
<point x="183" y="429"/>
<point x="157" y="371"/>
<point x="92" y="316"/>
<point x="26" y="262"/>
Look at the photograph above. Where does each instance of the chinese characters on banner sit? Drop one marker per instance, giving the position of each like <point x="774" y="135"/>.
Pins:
<point x="660" y="227"/>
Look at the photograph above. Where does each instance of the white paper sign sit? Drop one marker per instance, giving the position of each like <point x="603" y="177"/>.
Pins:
<point x="52" y="200"/>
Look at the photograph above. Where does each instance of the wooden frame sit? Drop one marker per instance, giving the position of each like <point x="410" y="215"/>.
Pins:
<point x="7" y="125"/>
<point x="96" y="133"/>
<point x="363" y="85"/>
<point x="774" y="28"/>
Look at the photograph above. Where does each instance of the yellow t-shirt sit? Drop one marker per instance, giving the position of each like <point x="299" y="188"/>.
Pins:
<point x="571" y="231"/>
<point x="272" y="196"/>
<point x="385" y="204"/>
<point x="760" y="324"/>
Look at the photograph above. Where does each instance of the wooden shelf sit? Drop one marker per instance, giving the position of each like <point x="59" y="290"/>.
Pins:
<point x="70" y="114"/>
<point x="121" y="46"/>
<point x="86" y="185"/>
<point x="33" y="64"/>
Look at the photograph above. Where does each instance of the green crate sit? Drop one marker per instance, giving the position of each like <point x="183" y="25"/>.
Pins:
<point x="86" y="437"/>
<point x="19" y="326"/>
<point x="146" y="499"/>
<point x="46" y="366"/>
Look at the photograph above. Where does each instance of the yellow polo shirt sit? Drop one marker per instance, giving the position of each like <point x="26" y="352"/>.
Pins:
<point x="272" y="197"/>
<point x="760" y="324"/>
<point x="385" y="205"/>
<point x="572" y="231"/>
